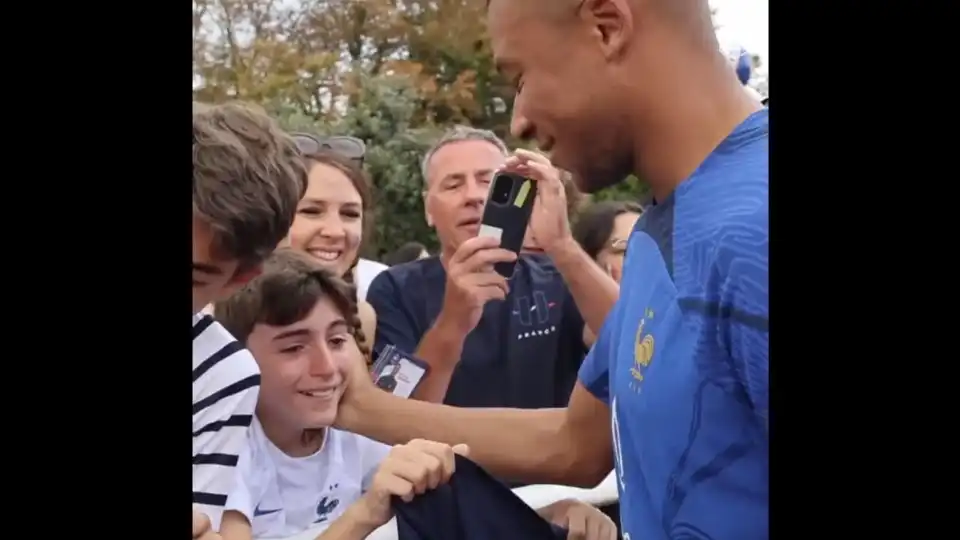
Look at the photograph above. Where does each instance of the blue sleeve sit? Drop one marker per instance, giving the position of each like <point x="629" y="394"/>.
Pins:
<point x="395" y="325"/>
<point x="595" y="371"/>
<point x="743" y="262"/>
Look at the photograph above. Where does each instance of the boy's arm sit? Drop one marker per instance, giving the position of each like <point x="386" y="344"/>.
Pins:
<point x="220" y="429"/>
<point x="242" y="501"/>
<point x="351" y="525"/>
<point x="557" y="446"/>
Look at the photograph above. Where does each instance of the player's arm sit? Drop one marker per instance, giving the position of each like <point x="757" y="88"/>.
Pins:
<point x="743" y="261"/>
<point x="562" y="446"/>
<point x="396" y="327"/>
<point x="220" y="432"/>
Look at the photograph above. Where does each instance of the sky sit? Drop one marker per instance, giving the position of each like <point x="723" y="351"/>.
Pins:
<point x="745" y="22"/>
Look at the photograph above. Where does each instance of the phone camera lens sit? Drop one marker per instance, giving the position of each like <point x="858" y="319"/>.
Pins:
<point x="502" y="189"/>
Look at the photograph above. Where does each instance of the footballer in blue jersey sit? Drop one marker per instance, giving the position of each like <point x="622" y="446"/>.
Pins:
<point x="682" y="359"/>
<point x="673" y="396"/>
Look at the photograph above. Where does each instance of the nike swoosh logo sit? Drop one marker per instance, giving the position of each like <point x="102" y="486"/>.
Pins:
<point x="258" y="512"/>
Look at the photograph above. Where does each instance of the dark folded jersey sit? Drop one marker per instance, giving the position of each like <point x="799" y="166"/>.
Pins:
<point x="472" y="506"/>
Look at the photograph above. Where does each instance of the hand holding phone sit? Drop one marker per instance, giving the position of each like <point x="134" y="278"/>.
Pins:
<point x="472" y="281"/>
<point x="507" y="213"/>
<point x="548" y="217"/>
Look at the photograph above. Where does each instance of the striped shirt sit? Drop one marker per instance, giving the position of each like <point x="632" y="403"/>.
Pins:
<point x="226" y="382"/>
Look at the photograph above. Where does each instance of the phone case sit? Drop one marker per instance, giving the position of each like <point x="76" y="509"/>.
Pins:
<point x="508" y="220"/>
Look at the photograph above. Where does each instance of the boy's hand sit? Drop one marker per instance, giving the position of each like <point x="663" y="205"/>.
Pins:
<point x="201" y="527"/>
<point x="408" y="470"/>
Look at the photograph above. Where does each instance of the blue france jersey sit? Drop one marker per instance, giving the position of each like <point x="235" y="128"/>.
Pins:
<point x="683" y="357"/>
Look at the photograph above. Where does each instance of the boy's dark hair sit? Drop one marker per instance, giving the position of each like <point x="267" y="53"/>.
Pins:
<point x="408" y="252"/>
<point x="285" y="292"/>
<point x="248" y="177"/>
<point x="595" y="224"/>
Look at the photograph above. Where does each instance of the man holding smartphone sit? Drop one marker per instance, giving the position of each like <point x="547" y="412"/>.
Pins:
<point x="489" y="341"/>
<point x="675" y="391"/>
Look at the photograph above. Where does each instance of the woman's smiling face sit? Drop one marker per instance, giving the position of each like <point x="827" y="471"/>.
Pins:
<point x="329" y="221"/>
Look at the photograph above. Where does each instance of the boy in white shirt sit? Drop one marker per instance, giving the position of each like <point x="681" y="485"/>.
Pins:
<point x="296" y="472"/>
<point x="248" y="177"/>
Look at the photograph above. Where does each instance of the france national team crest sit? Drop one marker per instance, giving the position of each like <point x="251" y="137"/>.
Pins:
<point x="643" y="351"/>
<point x="325" y="507"/>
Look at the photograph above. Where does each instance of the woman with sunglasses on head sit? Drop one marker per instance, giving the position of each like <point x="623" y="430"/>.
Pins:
<point x="334" y="214"/>
<point x="602" y="230"/>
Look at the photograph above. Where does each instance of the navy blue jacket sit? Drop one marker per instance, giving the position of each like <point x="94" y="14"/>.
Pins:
<point x="472" y="506"/>
<point x="524" y="353"/>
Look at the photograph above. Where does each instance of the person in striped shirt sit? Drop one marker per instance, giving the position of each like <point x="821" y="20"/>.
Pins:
<point x="248" y="177"/>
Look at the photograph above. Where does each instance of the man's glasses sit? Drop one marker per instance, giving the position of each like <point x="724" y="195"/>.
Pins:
<point x="351" y="148"/>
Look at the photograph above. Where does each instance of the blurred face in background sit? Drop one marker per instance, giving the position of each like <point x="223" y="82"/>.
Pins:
<point x="458" y="179"/>
<point x="329" y="221"/>
<point x="612" y="255"/>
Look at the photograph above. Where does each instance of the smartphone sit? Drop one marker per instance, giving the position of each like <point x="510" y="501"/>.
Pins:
<point x="507" y="213"/>
<point x="398" y="372"/>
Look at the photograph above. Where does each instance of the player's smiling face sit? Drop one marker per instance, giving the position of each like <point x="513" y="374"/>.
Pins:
<point x="302" y="368"/>
<point x="553" y="53"/>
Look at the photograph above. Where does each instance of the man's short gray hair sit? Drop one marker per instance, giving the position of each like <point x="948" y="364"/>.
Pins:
<point x="461" y="133"/>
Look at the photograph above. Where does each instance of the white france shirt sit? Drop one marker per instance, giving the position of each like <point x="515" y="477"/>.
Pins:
<point x="282" y="495"/>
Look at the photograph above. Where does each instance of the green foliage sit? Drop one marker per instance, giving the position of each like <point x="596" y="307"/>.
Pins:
<point x="631" y="189"/>
<point x="394" y="73"/>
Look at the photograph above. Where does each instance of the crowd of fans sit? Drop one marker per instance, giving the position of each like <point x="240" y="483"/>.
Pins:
<point x="537" y="378"/>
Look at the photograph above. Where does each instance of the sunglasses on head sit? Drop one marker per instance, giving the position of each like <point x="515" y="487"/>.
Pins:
<point x="351" y="148"/>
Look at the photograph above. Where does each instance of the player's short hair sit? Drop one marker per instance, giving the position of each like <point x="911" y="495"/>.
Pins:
<point x="248" y="177"/>
<point x="284" y="293"/>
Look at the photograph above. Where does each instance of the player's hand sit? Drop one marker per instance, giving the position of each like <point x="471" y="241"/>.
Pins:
<point x="582" y="521"/>
<point x="408" y="470"/>
<point x="358" y="386"/>
<point x="472" y="282"/>
<point x="549" y="222"/>
<point x="201" y="527"/>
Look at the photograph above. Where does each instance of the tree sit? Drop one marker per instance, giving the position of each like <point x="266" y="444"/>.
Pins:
<point x="392" y="72"/>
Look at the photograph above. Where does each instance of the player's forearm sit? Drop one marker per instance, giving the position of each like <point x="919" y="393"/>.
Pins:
<point x="440" y="348"/>
<point x="349" y="526"/>
<point x="516" y="444"/>
<point x="593" y="290"/>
